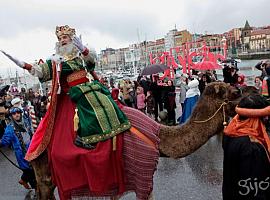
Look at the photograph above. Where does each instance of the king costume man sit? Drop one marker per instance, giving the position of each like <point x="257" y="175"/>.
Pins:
<point x="81" y="129"/>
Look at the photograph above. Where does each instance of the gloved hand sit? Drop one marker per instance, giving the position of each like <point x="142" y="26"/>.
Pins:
<point x="77" y="41"/>
<point x="15" y="60"/>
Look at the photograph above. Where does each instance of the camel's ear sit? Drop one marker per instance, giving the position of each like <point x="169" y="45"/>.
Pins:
<point x="220" y="91"/>
<point x="216" y="89"/>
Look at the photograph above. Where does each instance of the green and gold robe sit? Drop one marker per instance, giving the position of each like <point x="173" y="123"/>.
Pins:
<point x="99" y="116"/>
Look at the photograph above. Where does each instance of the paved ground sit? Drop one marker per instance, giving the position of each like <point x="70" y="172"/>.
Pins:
<point x="9" y="177"/>
<point x="196" y="177"/>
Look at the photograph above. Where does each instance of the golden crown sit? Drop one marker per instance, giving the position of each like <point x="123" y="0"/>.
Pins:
<point x="64" y="30"/>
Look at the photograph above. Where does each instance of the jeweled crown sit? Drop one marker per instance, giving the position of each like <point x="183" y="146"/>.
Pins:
<point x="64" y="30"/>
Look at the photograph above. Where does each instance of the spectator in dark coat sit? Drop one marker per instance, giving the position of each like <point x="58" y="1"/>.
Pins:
<point x="230" y="74"/>
<point x="150" y="104"/>
<point x="170" y="104"/>
<point x="157" y="90"/>
<point x="205" y="79"/>
<point x="261" y="66"/>
<point x="145" y="84"/>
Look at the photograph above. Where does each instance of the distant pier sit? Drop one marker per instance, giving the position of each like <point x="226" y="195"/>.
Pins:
<point x="254" y="55"/>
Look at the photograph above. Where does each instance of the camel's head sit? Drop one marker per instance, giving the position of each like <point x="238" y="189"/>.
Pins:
<point x="222" y="92"/>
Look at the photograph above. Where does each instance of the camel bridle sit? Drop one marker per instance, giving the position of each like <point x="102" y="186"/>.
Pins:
<point x="222" y="106"/>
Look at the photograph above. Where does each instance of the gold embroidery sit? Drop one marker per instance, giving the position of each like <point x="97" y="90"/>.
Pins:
<point x="101" y="137"/>
<point x="100" y="112"/>
<point x="76" y="75"/>
<point x="75" y="64"/>
<point x="51" y="119"/>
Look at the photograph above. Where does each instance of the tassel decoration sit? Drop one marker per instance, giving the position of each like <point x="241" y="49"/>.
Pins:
<point x="114" y="143"/>
<point x="76" y="120"/>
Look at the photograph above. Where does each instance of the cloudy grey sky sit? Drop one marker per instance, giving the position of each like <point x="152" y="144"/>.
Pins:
<point x="28" y="26"/>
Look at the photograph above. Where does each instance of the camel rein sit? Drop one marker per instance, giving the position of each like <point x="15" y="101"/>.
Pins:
<point x="10" y="160"/>
<point x="222" y="106"/>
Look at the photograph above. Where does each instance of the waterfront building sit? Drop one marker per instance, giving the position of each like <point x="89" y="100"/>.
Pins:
<point x="260" y="40"/>
<point x="143" y="55"/>
<point x="246" y="32"/>
<point x="234" y="39"/>
<point x="212" y="39"/>
<point x="107" y="59"/>
<point x="112" y="61"/>
<point x="182" y="37"/>
<point x="132" y="57"/>
<point x="169" y="40"/>
<point x="196" y="37"/>
<point x="156" y="47"/>
<point x="120" y="58"/>
<point x="160" y="45"/>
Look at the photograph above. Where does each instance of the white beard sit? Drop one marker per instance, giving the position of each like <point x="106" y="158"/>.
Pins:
<point x="68" y="51"/>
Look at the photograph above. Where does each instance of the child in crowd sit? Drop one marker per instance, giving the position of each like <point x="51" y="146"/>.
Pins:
<point x="140" y="99"/>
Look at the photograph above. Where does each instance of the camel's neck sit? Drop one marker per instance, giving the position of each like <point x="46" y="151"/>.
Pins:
<point x="180" y="141"/>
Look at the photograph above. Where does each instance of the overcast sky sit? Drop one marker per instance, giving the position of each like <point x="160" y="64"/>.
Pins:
<point x="28" y="26"/>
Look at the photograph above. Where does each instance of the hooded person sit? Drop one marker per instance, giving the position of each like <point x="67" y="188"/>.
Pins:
<point x="241" y="81"/>
<point x="18" y="136"/>
<point x="192" y="96"/>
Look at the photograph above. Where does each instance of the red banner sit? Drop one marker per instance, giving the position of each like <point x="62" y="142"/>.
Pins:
<point x="184" y="56"/>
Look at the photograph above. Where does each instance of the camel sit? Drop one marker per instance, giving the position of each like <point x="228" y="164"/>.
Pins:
<point x="211" y="113"/>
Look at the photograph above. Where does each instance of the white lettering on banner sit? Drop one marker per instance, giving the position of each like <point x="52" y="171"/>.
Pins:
<point x="249" y="185"/>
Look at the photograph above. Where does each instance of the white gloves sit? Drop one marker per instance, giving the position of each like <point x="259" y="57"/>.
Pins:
<point x="36" y="71"/>
<point x="15" y="60"/>
<point x="77" y="41"/>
